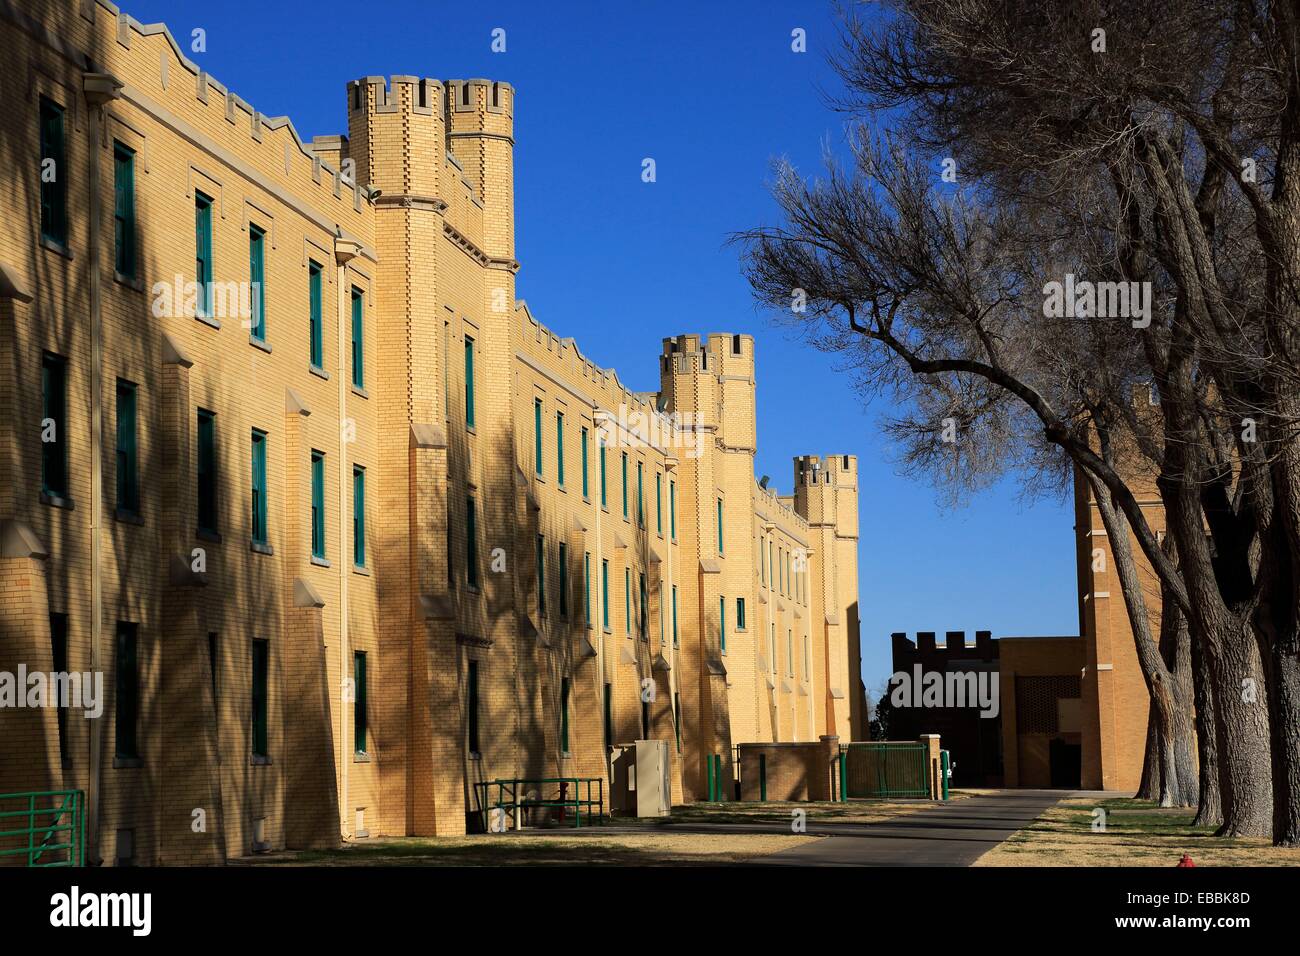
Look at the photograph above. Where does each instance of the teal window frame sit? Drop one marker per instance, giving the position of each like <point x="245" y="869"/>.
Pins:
<point x="586" y="588"/>
<point x="720" y="551"/>
<point x="54" y="193"/>
<point x="541" y="575"/>
<point x="640" y="494"/>
<point x="675" y="641"/>
<point x="257" y="281"/>
<point x="740" y="613"/>
<point x="59" y="658"/>
<point x="128" y="475"/>
<point x="359" y="715"/>
<point x="659" y="503"/>
<point x="126" y="678"/>
<point x="471" y="543"/>
<point x="203" y="253"/>
<point x="315" y="323"/>
<point x="672" y="509"/>
<point x="259" y="697"/>
<point x="677" y="720"/>
<point x="562" y="574"/>
<point x="608" y="721"/>
<point x="604" y="592"/>
<point x="559" y="449"/>
<point x="358" y="338"/>
<point x="627" y="601"/>
<point x="722" y="624"/>
<point x="625" y="499"/>
<point x="54" y="408"/>
<point x="358" y="516"/>
<point x="206" y="471"/>
<point x="123" y="210"/>
<point x="643" y="623"/>
<point x="471" y="708"/>
<point x="604" y="486"/>
<point x="585" y="435"/>
<point x="537" y="438"/>
<point x="564" y="715"/>
<point x="259" y="502"/>
<point x="469" y="382"/>
<point x="317" y="504"/>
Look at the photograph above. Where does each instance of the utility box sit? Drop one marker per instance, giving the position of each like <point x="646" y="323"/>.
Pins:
<point x="641" y="779"/>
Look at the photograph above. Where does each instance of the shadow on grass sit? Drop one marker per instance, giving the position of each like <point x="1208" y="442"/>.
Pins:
<point x="488" y="851"/>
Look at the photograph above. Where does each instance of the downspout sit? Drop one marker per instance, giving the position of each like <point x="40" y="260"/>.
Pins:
<point x="345" y="251"/>
<point x="99" y="89"/>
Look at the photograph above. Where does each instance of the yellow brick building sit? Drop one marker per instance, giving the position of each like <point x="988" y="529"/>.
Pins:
<point x="344" y="528"/>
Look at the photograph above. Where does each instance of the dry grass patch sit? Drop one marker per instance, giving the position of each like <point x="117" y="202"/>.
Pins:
<point x="1138" y="833"/>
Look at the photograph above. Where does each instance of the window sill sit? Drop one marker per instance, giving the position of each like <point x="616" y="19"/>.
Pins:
<point x="128" y="517"/>
<point x="208" y="320"/>
<point x="472" y="589"/>
<point x="358" y="757"/>
<point x="204" y="534"/>
<point x="54" y="501"/>
<point x="261" y="548"/>
<point x="360" y="392"/>
<point x="131" y="282"/>
<point x="257" y="343"/>
<point x="53" y="246"/>
<point x="361" y="570"/>
<point x="259" y="760"/>
<point x="320" y="562"/>
<point x="607" y="629"/>
<point x="126" y="763"/>
<point x="319" y="372"/>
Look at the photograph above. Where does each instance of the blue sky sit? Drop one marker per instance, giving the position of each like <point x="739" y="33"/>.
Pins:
<point x="713" y="93"/>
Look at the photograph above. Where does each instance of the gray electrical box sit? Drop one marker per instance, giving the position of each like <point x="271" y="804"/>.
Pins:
<point x="641" y="779"/>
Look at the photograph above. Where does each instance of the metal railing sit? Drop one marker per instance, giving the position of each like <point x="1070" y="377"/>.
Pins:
<point x="52" y="827"/>
<point x="509" y="798"/>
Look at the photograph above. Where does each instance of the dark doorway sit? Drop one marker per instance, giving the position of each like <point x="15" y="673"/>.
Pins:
<point x="1067" y="763"/>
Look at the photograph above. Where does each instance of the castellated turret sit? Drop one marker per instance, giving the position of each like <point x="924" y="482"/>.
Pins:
<point x="826" y="491"/>
<point x="712" y="379"/>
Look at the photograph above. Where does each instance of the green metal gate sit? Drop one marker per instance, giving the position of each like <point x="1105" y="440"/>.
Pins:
<point x="885" y="769"/>
<point x="47" y="827"/>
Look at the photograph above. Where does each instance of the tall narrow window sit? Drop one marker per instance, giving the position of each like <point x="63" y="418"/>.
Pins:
<point x="586" y="588"/>
<point x="259" y="487"/>
<point x="257" y="281"/>
<point x="212" y="667"/>
<point x="563" y="579"/>
<point x="740" y="614"/>
<point x="584" y="462"/>
<point x="469" y="382"/>
<point x="128" y="693"/>
<point x="54" y="425"/>
<point x="677" y="720"/>
<point x="318" y="504"/>
<point x="123" y="211"/>
<point x="643" y="623"/>
<point x="604" y="592"/>
<point x="359" y="702"/>
<point x="762" y="562"/>
<point x="604" y="498"/>
<point x="471" y="706"/>
<point x="537" y="436"/>
<point x="59" y="652"/>
<point x="722" y="624"/>
<point x="315" y="331"/>
<point x="451" y="547"/>
<point x="358" y="338"/>
<point x="609" y="715"/>
<point x="659" y="503"/>
<point x="54" y="175"/>
<point x="203" y="252"/>
<point x="207" y="471"/>
<point x="564" y="715"/>
<point x="128" y="483"/>
<point x="789" y="652"/>
<point x="260" y="689"/>
<point x="471" y="543"/>
<point x="807" y="659"/>
<point x="672" y="509"/>
<point x="674" y="615"/>
<point x="627" y="601"/>
<point x="559" y="449"/>
<point x="719" y="526"/>
<point x="640" y="495"/>
<point x="358" y="516"/>
<point x="773" y="641"/>
<point x="625" y="513"/>
<point x="541" y="575"/>
<point x="645" y="718"/>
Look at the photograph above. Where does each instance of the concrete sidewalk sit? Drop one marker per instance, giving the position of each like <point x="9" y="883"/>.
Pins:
<point x="945" y="834"/>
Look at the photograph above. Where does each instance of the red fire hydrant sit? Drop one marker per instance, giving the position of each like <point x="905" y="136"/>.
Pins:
<point x="1185" y="861"/>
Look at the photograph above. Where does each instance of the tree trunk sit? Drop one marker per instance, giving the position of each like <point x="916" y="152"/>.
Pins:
<point x="1242" y="729"/>
<point x="1149" y="785"/>
<point x="1209" y="806"/>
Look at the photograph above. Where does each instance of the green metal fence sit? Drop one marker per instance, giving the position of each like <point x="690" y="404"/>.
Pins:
<point x="518" y="797"/>
<point x="884" y="769"/>
<point x="45" y="827"/>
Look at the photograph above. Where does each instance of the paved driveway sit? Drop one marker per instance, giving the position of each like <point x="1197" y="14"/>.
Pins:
<point x="945" y="834"/>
